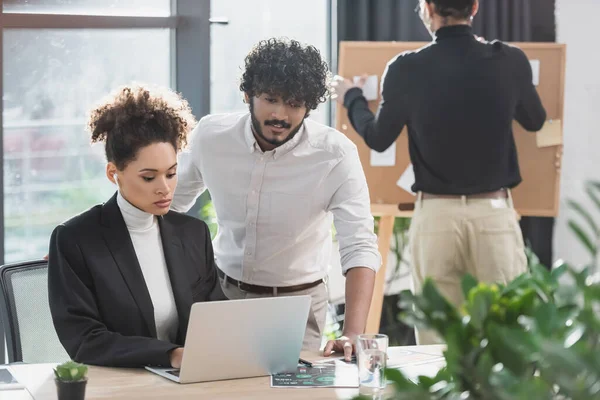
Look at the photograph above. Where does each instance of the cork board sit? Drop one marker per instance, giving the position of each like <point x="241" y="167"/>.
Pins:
<point x="539" y="158"/>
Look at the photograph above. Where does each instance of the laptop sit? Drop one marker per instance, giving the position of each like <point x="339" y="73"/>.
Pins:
<point x="234" y="339"/>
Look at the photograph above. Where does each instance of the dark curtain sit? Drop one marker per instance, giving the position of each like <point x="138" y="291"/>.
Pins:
<point x="385" y="20"/>
<point x="506" y="20"/>
<point x="380" y="20"/>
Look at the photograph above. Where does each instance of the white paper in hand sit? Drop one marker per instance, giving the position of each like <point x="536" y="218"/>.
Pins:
<point x="407" y="179"/>
<point x="384" y="159"/>
<point x="371" y="88"/>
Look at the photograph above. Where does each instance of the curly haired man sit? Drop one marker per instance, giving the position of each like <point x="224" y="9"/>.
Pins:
<point x="277" y="180"/>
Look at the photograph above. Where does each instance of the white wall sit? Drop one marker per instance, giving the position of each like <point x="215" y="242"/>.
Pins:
<point x="576" y="26"/>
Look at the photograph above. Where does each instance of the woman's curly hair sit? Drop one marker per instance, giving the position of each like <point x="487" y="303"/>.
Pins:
<point x="136" y="116"/>
<point x="288" y="69"/>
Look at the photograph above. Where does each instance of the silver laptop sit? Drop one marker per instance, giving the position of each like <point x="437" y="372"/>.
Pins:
<point x="241" y="338"/>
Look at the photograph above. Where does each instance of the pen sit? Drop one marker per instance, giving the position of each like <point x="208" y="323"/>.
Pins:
<point x="307" y="363"/>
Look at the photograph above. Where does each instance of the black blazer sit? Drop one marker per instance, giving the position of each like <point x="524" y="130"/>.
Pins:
<point x="99" y="300"/>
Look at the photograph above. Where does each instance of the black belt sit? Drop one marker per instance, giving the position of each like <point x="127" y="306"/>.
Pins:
<point x="498" y="194"/>
<point x="247" y="287"/>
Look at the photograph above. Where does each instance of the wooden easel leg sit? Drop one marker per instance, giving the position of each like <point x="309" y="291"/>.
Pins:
<point x="386" y="230"/>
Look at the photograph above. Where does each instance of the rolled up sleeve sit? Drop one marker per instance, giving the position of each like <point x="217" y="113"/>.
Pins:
<point x="351" y="208"/>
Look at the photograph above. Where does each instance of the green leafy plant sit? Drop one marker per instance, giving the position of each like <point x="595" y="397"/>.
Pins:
<point x="207" y="213"/>
<point x="71" y="371"/>
<point x="531" y="339"/>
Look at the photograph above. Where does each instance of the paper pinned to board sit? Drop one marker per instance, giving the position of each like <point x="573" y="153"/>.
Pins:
<point x="407" y="179"/>
<point x="535" y="70"/>
<point x="385" y="159"/>
<point x="550" y="134"/>
<point x="371" y="88"/>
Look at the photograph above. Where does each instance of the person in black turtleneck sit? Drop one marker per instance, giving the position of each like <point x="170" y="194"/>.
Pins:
<point x="458" y="97"/>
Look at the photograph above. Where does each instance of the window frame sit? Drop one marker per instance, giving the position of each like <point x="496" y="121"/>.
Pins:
<point x="189" y="25"/>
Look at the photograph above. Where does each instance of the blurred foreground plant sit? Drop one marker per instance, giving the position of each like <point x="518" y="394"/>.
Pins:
<point x="531" y="339"/>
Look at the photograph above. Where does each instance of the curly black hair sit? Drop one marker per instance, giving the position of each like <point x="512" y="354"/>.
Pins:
<point x="286" y="68"/>
<point x="459" y="9"/>
<point x="136" y="116"/>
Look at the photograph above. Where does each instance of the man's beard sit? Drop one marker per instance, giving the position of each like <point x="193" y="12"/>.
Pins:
<point x="257" y="128"/>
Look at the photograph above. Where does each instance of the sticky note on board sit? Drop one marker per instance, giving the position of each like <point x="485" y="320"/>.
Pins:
<point x="407" y="179"/>
<point x="550" y="134"/>
<point x="371" y="88"/>
<point x="384" y="159"/>
<point x="535" y="70"/>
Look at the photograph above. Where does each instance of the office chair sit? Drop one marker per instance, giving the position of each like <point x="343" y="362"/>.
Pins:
<point x="26" y="318"/>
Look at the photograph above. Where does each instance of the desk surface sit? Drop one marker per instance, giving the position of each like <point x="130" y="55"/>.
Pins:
<point x="132" y="384"/>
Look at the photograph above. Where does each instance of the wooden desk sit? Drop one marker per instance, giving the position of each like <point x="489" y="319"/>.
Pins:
<point x="133" y="384"/>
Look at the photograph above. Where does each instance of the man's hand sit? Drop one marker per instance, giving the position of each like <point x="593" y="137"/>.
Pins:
<point x="359" y="291"/>
<point x="345" y="344"/>
<point x="341" y="85"/>
<point x="176" y="357"/>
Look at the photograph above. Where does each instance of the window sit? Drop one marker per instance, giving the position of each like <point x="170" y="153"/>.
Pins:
<point x="89" y="7"/>
<point x="51" y="80"/>
<point x="58" y="58"/>
<point x="249" y="22"/>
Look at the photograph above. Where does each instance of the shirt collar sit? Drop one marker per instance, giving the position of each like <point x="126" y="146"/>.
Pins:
<point x="453" y="31"/>
<point x="277" y="152"/>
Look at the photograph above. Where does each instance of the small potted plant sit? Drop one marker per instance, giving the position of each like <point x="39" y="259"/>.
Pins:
<point x="71" y="379"/>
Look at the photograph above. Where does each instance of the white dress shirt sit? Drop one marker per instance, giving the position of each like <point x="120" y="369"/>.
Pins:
<point x="275" y="208"/>
<point x="147" y="243"/>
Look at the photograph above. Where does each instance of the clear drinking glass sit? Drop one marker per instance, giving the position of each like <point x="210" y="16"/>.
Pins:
<point x="371" y="351"/>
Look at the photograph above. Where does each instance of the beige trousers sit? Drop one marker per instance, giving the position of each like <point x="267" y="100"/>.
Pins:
<point x="449" y="238"/>
<point x="316" y="315"/>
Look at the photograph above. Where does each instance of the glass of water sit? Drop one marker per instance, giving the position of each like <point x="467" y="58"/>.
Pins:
<point x="371" y="354"/>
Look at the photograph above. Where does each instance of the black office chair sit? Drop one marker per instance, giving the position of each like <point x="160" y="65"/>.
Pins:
<point x="30" y="334"/>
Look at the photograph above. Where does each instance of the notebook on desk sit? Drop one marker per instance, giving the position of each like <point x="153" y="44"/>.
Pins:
<point x="241" y="339"/>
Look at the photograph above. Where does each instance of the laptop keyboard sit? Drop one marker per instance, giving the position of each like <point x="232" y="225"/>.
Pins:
<point x="174" y="372"/>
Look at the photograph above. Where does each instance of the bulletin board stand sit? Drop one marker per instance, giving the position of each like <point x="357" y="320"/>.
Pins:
<point x="387" y="214"/>
<point x="540" y="153"/>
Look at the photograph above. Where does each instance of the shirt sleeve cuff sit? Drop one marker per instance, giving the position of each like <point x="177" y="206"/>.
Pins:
<point x="352" y="95"/>
<point x="365" y="260"/>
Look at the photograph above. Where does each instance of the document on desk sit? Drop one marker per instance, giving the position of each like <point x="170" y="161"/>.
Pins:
<point x="429" y="369"/>
<point x="8" y="380"/>
<point x="337" y="373"/>
<point x="401" y="358"/>
<point x="332" y="373"/>
<point x="413" y="364"/>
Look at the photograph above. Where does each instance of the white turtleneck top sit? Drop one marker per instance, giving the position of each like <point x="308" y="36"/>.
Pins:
<point x="145" y="235"/>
